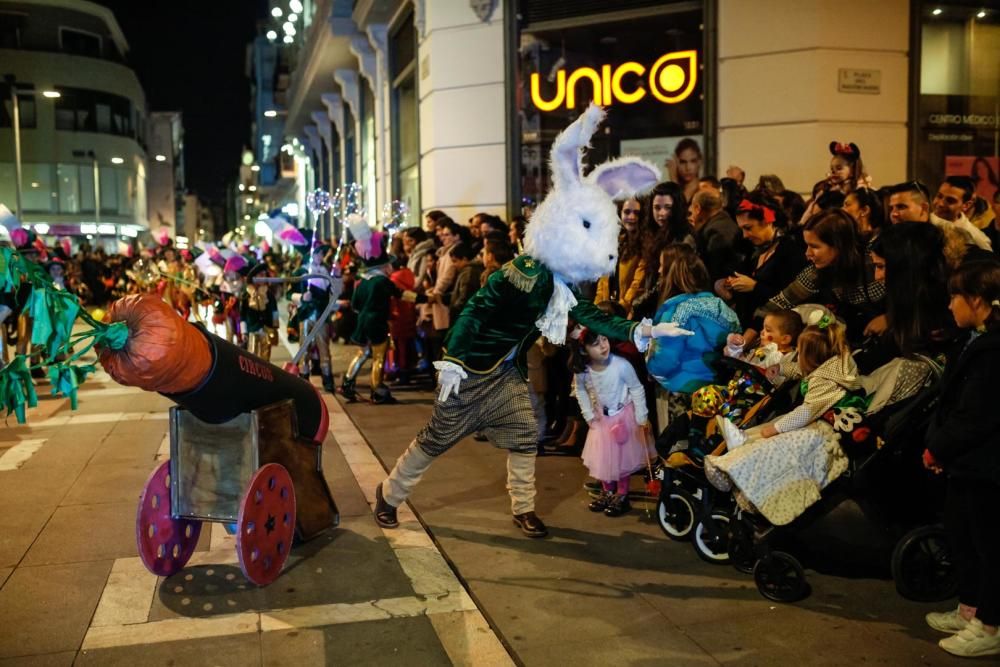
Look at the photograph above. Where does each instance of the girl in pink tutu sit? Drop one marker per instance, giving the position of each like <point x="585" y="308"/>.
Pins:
<point x="614" y="404"/>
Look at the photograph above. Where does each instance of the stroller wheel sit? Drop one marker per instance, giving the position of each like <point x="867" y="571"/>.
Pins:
<point x="711" y="538"/>
<point x="780" y="577"/>
<point x="741" y="547"/>
<point x="675" y="513"/>
<point x="922" y="566"/>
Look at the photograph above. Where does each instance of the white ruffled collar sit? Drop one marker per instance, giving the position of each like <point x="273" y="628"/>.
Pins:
<point x="555" y="320"/>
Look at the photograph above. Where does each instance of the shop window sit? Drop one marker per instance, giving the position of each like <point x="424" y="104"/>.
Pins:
<point x="648" y="74"/>
<point x="368" y="148"/>
<point x="958" y="122"/>
<point x="11" y="26"/>
<point x="37" y="192"/>
<point x="80" y="43"/>
<point x="80" y="110"/>
<point x="68" y="186"/>
<point x="28" y="118"/>
<point x="350" y="145"/>
<point x="404" y="118"/>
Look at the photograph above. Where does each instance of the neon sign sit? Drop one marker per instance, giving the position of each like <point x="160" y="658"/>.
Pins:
<point x="671" y="79"/>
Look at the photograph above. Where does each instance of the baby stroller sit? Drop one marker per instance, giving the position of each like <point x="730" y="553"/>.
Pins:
<point x="689" y="507"/>
<point x="898" y="499"/>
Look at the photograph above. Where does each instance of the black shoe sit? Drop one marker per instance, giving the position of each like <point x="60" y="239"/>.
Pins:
<point x="382" y="396"/>
<point x="328" y="383"/>
<point x="618" y="505"/>
<point x="600" y="503"/>
<point x="347" y="391"/>
<point x="480" y="437"/>
<point x="530" y="524"/>
<point x="385" y="514"/>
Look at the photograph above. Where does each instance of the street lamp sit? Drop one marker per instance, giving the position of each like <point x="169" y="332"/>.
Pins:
<point x="12" y="82"/>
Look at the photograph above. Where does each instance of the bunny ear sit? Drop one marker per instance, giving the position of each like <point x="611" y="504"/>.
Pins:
<point x="567" y="149"/>
<point x="625" y="177"/>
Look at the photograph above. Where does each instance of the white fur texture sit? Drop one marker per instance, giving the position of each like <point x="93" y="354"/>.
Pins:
<point x="574" y="230"/>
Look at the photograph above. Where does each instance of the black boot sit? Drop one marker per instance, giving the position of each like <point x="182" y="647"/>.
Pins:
<point x="382" y="396"/>
<point x="347" y="391"/>
<point x="618" y="505"/>
<point x="600" y="503"/>
<point x="328" y="383"/>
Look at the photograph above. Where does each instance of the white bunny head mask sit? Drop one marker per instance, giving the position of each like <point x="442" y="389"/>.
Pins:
<point x="574" y="231"/>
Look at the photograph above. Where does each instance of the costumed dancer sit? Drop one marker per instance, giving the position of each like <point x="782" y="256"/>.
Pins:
<point x="613" y="403"/>
<point x="230" y="294"/>
<point x="313" y="302"/>
<point x="373" y="292"/>
<point x="572" y="238"/>
<point x="259" y="314"/>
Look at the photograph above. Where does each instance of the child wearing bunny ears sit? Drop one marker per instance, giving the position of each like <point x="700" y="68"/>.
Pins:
<point x="781" y="467"/>
<point x="572" y="238"/>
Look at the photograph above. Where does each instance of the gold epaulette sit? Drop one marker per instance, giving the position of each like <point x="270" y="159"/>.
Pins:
<point x="522" y="272"/>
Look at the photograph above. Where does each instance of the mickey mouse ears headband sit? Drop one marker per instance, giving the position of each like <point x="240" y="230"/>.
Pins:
<point x="849" y="151"/>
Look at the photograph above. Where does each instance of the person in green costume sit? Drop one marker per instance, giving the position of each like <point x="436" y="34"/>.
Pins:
<point x="572" y="238"/>
<point x="371" y="299"/>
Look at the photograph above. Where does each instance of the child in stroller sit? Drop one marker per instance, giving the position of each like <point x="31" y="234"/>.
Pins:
<point x="687" y="501"/>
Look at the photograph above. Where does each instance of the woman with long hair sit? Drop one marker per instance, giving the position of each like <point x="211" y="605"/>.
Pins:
<point x="685" y="166"/>
<point x="626" y="280"/>
<point x="985" y="178"/>
<point x="910" y="258"/>
<point x="665" y="223"/>
<point x="838" y="275"/>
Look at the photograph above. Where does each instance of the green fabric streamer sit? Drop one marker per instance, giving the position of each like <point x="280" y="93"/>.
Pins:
<point x="16" y="388"/>
<point x="66" y="379"/>
<point x="53" y="312"/>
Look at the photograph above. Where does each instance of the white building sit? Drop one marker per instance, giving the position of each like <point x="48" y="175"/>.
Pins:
<point x="82" y="121"/>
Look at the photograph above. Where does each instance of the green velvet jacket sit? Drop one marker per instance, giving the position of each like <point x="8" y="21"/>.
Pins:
<point x="371" y="301"/>
<point x="501" y="317"/>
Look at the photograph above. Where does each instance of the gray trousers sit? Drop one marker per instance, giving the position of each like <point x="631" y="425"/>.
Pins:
<point x="496" y="404"/>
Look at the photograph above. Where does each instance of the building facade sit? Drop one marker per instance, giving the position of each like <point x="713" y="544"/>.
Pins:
<point x="453" y="104"/>
<point x="82" y="116"/>
<point x="165" y="184"/>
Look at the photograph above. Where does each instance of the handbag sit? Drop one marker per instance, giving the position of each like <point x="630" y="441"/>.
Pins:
<point x="620" y="430"/>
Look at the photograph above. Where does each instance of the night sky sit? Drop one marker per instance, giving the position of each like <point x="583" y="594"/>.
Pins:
<point x="191" y="56"/>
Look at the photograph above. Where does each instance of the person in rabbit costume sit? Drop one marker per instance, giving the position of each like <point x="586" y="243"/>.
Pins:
<point x="572" y="238"/>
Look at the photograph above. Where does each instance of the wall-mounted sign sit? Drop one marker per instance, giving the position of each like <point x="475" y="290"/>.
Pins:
<point x="862" y="81"/>
<point x="671" y="79"/>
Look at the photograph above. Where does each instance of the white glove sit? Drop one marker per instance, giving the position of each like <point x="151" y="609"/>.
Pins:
<point x="669" y="330"/>
<point x="450" y="376"/>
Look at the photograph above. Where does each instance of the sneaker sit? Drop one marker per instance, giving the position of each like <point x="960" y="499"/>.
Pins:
<point x="972" y="641"/>
<point x="600" y="503"/>
<point x="946" y="621"/>
<point x="731" y="432"/>
<point x="530" y="524"/>
<point x="618" y="505"/>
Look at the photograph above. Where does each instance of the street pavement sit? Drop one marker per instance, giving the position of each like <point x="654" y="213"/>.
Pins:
<point x="456" y="584"/>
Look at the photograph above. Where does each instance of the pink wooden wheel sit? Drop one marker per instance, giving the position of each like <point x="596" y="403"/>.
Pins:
<point x="165" y="544"/>
<point x="266" y="524"/>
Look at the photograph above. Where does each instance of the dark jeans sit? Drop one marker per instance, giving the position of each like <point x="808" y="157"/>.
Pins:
<point x="970" y="517"/>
